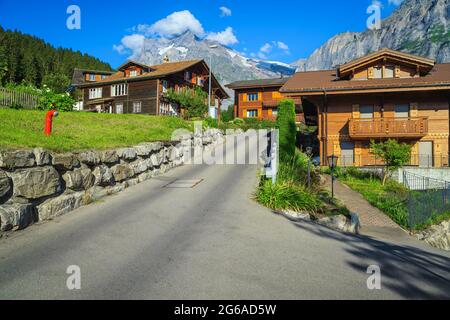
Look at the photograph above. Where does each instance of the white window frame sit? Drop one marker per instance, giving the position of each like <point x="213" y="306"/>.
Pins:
<point x="118" y="90"/>
<point x="91" y="77"/>
<point x="133" y="73"/>
<point x="254" y="95"/>
<point x="252" y="111"/>
<point x="137" y="107"/>
<point x="95" y="93"/>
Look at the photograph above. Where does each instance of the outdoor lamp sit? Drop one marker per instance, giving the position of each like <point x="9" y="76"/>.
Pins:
<point x="332" y="161"/>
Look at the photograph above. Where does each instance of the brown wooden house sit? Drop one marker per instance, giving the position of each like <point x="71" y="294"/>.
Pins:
<point x="387" y="94"/>
<point x="259" y="99"/>
<point x="138" y="88"/>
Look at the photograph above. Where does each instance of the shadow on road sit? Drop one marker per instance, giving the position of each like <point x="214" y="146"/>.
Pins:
<point x="412" y="272"/>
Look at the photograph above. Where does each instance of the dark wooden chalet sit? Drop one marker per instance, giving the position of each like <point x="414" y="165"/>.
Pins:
<point x="139" y="88"/>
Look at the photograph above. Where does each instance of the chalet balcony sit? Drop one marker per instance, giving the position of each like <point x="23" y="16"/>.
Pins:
<point x="388" y="128"/>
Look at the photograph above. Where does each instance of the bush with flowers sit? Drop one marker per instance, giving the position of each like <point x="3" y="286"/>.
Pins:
<point x="60" y="101"/>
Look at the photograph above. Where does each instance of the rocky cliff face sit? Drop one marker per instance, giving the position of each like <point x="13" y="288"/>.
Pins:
<point x="419" y="27"/>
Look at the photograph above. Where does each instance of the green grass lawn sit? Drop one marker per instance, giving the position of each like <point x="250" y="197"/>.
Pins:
<point x="392" y="198"/>
<point x="74" y="131"/>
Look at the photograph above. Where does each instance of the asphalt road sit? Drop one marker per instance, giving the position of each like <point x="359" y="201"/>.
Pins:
<point x="208" y="242"/>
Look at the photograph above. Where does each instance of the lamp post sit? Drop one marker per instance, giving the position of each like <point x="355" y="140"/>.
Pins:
<point x="332" y="163"/>
<point x="213" y="46"/>
<point x="309" y="153"/>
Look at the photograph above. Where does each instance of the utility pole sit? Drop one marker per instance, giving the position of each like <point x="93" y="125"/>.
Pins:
<point x="210" y="80"/>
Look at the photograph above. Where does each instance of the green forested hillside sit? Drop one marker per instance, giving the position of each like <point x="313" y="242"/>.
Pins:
<point x="25" y="58"/>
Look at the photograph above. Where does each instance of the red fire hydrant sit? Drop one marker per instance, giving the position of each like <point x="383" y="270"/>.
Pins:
<point x="48" y="121"/>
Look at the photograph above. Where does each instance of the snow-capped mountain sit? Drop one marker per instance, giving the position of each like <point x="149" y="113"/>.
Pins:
<point x="228" y="64"/>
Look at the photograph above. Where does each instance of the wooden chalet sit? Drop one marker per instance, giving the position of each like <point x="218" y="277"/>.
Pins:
<point x="259" y="99"/>
<point x="386" y="94"/>
<point x="139" y="88"/>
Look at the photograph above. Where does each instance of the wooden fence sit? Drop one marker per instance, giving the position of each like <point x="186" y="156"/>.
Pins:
<point x="9" y="98"/>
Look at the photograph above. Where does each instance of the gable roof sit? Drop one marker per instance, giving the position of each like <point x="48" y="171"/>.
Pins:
<point x="156" y="72"/>
<point x="261" y="83"/>
<point x="316" y="82"/>
<point x="78" y="75"/>
<point x="128" y="62"/>
<point x="424" y="63"/>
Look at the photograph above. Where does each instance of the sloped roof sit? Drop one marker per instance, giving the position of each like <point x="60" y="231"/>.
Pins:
<point x="387" y="53"/>
<point x="319" y="81"/>
<point x="78" y="75"/>
<point x="257" y="83"/>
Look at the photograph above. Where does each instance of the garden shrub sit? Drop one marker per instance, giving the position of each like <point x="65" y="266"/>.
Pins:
<point x="287" y="128"/>
<point x="287" y="195"/>
<point x="59" y="101"/>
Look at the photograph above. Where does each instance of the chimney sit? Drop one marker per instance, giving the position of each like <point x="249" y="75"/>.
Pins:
<point x="166" y="59"/>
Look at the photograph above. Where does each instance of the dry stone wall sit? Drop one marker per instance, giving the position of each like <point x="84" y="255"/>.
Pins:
<point x="38" y="185"/>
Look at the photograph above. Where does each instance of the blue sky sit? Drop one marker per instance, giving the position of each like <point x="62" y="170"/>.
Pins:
<point x="283" y="31"/>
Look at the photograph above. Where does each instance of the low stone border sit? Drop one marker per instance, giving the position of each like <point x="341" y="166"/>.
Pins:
<point x="437" y="236"/>
<point x="38" y="185"/>
<point x="338" y="222"/>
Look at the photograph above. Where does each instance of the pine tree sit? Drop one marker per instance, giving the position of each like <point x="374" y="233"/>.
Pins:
<point x="25" y="58"/>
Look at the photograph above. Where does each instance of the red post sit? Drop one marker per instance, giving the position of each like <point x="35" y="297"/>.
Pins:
<point x="48" y="121"/>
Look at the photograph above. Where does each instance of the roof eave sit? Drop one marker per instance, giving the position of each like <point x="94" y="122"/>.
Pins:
<point x="331" y="90"/>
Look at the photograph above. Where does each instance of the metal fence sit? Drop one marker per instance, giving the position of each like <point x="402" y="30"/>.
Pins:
<point x="10" y="98"/>
<point x="428" y="198"/>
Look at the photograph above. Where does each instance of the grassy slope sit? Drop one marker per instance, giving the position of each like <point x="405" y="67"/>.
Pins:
<point x="74" y="131"/>
<point x="391" y="199"/>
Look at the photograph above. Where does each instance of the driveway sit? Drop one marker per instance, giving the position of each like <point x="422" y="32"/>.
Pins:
<point x="211" y="241"/>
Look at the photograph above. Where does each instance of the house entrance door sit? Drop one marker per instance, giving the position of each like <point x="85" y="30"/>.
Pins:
<point x="347" y="154"/>
<point x="425" y="154"/>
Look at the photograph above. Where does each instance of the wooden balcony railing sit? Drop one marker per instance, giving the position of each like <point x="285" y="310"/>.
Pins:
<point x="388" y="128"/>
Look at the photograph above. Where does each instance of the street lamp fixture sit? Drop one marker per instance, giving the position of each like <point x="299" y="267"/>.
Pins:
<point x="332" y="163"/>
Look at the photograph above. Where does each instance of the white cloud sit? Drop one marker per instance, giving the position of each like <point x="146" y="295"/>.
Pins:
<point x="266" y="48"/>
<point x="395" y="2"/>
<point x="378" y="3"/>
<point x="225" y="12"/>
<point x="282" y="46"/>
<point x="173" y="25"/>
<point x="261" y="55"/>
<point x="225" y="37"/>
<point x="132" y="43"/>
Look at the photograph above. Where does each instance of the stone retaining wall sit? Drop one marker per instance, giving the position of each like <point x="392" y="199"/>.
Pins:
<point x="38" y="185"/>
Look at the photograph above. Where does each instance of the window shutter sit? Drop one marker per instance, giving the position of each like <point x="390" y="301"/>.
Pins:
<point x="358" y="152"/>
<point x="244" y="97"/>
<point x="259" y="96"/>
<point x="370" y="73"/>
<point x="336" y="148"/>
<point x="355" y="111"/>
<point x="397" y="72"/>
<point x="414" y="109"/>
